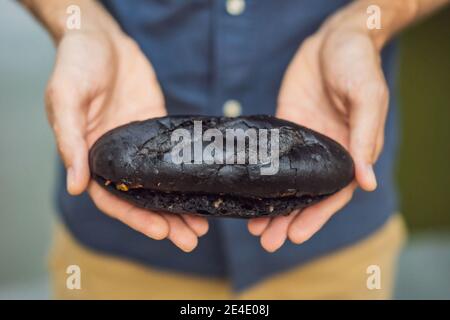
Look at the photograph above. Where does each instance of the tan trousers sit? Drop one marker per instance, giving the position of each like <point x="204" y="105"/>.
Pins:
<point x="344" y="274"/>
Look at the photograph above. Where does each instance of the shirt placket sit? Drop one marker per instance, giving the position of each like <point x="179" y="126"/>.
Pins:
<point x="232" y="43"/>
<point x="231" y="23"/>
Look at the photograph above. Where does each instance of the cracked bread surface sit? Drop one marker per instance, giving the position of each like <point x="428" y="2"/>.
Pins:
<point x="311" y="167"/>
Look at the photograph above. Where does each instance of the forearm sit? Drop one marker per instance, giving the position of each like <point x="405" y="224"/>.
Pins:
<point x="53" y="15"/>
<point x="395" y="15"/>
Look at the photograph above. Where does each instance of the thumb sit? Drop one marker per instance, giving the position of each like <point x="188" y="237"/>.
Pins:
<point x="66" y="116"/>
<point x="367" y="118"/>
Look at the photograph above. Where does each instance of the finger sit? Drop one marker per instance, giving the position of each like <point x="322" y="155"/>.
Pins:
<point x="180" y="234"/>
<point x="147" y="222"/>
<point x="311" y="219"/>
<point x="198" y="224"/>
<point x="64" y="110"/>
<point x="276" y="232"/>
<point x="379" y="145"/>
<point x="256" y="226"/>
<point x="381" y="129"/>
<point x="380" y="135"/>
<point x="368" y="112"/>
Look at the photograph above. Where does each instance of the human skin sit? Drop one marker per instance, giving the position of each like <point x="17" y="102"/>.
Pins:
<point x="101" y="80"/>
<point x="334" y="85"/>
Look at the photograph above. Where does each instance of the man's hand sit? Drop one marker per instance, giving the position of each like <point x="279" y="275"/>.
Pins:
<point x="334" y="85"/>
<point x="102" y="80"/>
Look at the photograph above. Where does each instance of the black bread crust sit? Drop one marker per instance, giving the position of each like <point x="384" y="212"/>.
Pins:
<point x="312" y="167"/>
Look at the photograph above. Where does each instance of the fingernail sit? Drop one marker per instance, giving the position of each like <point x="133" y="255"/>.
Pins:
<point x="371" y="177"/>
<point x="70" y="178"/>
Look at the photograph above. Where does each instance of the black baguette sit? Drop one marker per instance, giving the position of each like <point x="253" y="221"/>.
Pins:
<point x="134" y="162"/>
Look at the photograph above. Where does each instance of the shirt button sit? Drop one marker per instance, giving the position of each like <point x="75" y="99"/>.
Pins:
<point x="235" y="7"/>
<point x="232" y="108"/>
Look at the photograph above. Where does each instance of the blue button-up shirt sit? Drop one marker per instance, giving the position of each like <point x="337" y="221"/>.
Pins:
<point x="205" y="56"/>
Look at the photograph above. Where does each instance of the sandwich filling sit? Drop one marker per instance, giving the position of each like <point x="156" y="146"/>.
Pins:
<point x="208" y="204"/>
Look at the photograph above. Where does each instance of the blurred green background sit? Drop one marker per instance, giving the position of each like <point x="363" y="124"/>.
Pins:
<point x="424" y="159"/>
<point x="27" y="157"/>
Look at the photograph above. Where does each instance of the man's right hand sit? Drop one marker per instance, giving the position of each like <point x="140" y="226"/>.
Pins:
<point x="102" y="80"/>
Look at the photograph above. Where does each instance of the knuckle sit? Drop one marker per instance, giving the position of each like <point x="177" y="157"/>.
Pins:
<point x="52" y="92"/>
<point x="380" y="91"/>
<point x="59" y="95"/>
<point x="131" y="44"/>
<point x="376" y="91"/>
<point x="53" y="97"/>
<point x="59" y="134"/>
<point x="308" y="42"/>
